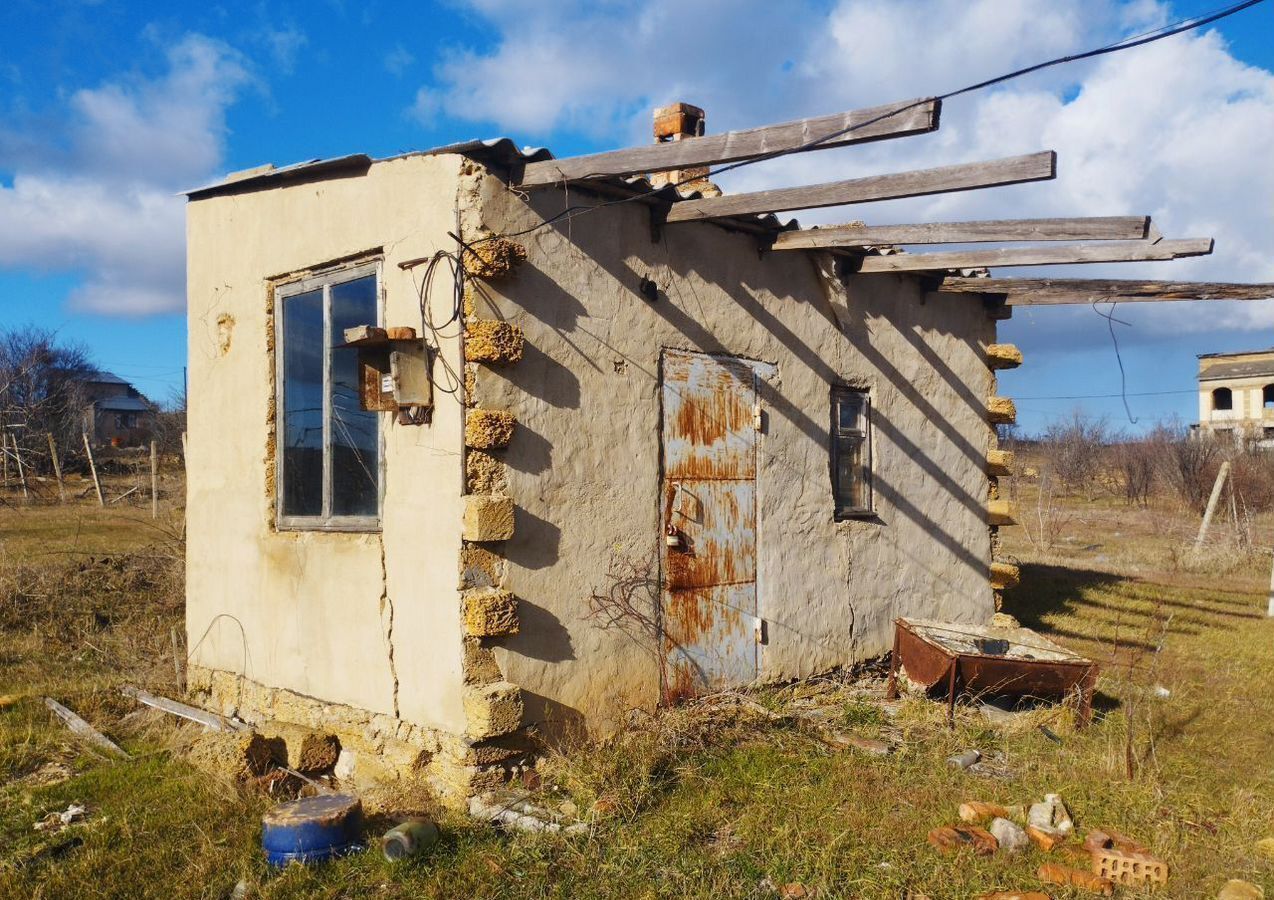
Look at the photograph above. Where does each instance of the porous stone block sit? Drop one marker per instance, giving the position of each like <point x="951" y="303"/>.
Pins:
<point x="487" y="518"/>
<point x="479" y="663"/>
<point x="999" y="462"/>
<point x="492" y="341"/>
<point x="1003" y="356"/>
<point x="484" y="473"/>
<point x="485" y="429"/>
<point x="489" y="612"/>
<point x="493" y="258"/>
<point x="1001" y="411"/>
<point x="492" y="710"/>
<point x="1000" y="512"/>
<point x="1004" y="575"/>
<point x="308" y="751"/>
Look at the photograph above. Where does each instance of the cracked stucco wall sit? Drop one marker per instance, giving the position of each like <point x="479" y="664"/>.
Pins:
<point x="364" y="620"/>
<point x="583" y="465"/>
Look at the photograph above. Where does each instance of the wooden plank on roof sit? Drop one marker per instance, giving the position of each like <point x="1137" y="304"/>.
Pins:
<point x="1057" y="291"/>
<point x="966" y="177"/>
<point x="874" y="124"/>
<point x="1092" y="228"/>
<point x="1068" y="254"/>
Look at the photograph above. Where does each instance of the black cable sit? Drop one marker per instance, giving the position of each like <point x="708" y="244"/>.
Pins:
<point x="1179" y="27"/>
<point x="1123" y="378"/>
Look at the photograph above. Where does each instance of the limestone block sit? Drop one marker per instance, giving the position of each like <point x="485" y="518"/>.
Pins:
<point x="1000" y="512"/>
<point x="1001" y="411"/>
<point x="1003" y="356"/>
<point x="489" y="612"/>
<point x="485" y="429"/>
<point x="308" y="751"/>
<point x="487" y="518"/>
<point x="493" y="709"/>
<point x="479" y="663"/>
<point x="999" y="462"/>
<point x="484" y="473"/>
<point x="491" y="341"/>
<point x="1004" y="575"/>
<point x="493" y="257"/>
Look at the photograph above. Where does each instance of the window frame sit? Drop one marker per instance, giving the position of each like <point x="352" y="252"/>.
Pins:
<point x="837" y="435"/>
<point x="324" y="280"/>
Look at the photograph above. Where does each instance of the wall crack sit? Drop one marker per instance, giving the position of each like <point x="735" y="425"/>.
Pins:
<point x="387" y="606"/>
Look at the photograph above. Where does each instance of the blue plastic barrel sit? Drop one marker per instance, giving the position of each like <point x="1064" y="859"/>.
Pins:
<point x="312" y="829"/>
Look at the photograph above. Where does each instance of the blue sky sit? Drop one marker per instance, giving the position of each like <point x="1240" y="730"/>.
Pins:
<point x="108" y="109"/>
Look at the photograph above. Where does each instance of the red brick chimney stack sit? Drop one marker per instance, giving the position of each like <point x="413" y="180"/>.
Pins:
<point x="675" y="123"/>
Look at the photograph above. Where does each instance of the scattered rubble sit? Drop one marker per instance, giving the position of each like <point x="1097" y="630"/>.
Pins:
<point x="949" y="838"/>
<point x="1010" y="835"/>
<point x="1054" y="873"/>
<point x="514" y="809"/>
<point x="56" y="821"/>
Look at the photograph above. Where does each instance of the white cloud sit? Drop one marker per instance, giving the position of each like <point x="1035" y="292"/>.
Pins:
<point x="101" y="199"/>
<point x="398" y="60"/>
<point x="1179" y="129"/>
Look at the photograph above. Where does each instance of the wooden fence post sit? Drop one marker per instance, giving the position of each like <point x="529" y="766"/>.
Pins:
<point x="154" y="479"/>
<point x="1212" y="502"/>
<point x="101" y="501"/>
<point x="57" y="468"/>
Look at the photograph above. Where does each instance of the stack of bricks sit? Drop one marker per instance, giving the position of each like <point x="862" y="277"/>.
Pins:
<point x="676" y="123"/>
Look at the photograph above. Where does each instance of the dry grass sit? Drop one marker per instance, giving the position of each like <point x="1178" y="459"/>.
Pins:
<point x="730" y="798"/>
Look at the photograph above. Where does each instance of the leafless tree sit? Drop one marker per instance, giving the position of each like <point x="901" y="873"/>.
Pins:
<point x="1073" y="448"/>
<point x="41" y="391"/>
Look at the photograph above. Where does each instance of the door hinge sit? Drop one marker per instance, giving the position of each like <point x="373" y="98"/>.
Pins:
<point x="758" y="418"/>
<point x="760" y="631"/>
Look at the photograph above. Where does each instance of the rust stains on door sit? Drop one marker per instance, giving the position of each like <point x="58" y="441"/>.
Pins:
<point x="709" y="518"/>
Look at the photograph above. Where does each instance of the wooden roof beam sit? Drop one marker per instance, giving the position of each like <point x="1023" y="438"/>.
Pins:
<point x="1093" y="228"/>
<point x="1058" y="291"/>
<point x="1068" y="254"/>
<point x="875" y="124"/>
<point x="966" y="177"/>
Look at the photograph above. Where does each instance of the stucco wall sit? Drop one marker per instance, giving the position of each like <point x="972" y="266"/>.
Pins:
<point x="320" y="613"/>
<point x="584" y="461"/>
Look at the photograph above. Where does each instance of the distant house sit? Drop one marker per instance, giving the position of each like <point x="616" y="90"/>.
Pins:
<point x="1236" y="395"/>
<point x="115" y="412"/>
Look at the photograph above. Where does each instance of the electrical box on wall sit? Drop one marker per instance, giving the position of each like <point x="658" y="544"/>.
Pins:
<point x="394" y="369"/>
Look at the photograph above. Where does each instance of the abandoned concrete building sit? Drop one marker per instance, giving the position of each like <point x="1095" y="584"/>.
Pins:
<point x="1236" y="396"/>
<point x="485" y="446"/>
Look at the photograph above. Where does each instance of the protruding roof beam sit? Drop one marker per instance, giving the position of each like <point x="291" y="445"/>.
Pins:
<point x="1094" y="228"/>
<point x="1013" y="170"/>
<point x="874" y="124"/>
<point x="1069" y="254"/>
<point x="1057" y="291"/>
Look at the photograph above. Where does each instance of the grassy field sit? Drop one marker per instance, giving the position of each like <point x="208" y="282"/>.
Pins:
<point x="719" y="800"/>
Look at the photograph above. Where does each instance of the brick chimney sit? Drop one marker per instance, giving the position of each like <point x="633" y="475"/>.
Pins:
<point x="675" y="123"/>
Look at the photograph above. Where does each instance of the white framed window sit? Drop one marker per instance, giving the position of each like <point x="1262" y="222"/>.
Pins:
<point x="851" y="452"/>
<point x="327" y="447"/>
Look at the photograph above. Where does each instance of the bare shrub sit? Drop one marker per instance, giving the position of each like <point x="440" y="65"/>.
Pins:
<point x="1134" y="462"/>
<point x="1187" y="464"/>
<point x="1073" y="449"/>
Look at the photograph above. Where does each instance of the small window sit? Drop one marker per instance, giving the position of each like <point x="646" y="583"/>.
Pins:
<point x="1267" y="396"/>
<point x="851" y="452"/>
<point x="328" y="446"/>
<point x="1222" y="399"/>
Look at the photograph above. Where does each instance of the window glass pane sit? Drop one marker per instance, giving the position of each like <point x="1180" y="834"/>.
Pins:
<point x="850" y="486"/>
<point x="302" y="426"/>
<point x="851" y="413"/>
<point x="354" y="432"/>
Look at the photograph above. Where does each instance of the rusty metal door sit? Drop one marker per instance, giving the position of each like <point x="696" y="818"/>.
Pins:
<point x="709" y="600"/>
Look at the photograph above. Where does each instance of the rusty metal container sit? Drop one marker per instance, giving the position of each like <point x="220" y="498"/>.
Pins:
<point x="980" y="659"/>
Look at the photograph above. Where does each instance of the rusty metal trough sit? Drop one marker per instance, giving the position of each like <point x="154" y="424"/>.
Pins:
<point x="981" y="659"/>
